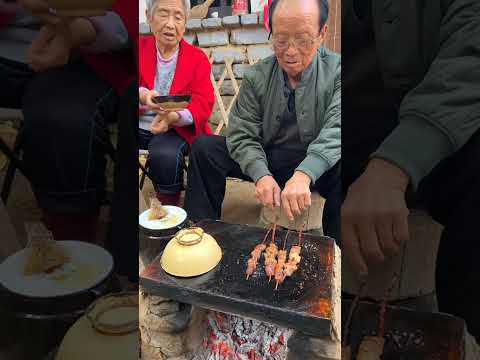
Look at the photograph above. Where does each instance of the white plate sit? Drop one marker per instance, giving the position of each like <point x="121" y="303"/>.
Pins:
<point x="175" y="216"/>
<point x="89" y="265"/>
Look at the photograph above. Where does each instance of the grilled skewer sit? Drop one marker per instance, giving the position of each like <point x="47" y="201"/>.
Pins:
<point x="282" y="259"/>
<point x="256" y="254"/>
<point x="271" y="255"/>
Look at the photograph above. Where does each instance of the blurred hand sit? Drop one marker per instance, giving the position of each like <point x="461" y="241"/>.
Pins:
<point x="41" y="10"/>
<point x="51" y="48"/>
<point x="146" y="98"/>
<point x="159" y="125"/>
<point x="375" y="215"/>
<point x="296" y="196"/>
<point x="267" y="192"/>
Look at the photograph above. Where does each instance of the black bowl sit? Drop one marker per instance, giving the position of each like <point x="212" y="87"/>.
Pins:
<point x="177" y="98"/>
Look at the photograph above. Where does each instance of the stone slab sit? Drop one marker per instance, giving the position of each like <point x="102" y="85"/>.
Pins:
<point x="212" y="38"/>
<point x="212" y="23"/>
<point x="303" y="302"/>
<point x="249" y="36"/>
<point x="238" y="54"/>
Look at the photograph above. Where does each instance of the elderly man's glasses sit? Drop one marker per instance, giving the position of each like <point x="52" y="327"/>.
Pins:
<point x="303" y="41"/>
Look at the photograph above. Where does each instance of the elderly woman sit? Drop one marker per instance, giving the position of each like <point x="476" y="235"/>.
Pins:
<point x="171" y="66"/>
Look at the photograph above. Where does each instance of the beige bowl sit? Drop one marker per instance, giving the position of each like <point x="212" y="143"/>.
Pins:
<point x="109" y="330"/>
<point x="81" y="7"/>
<point x="191" y="252"/>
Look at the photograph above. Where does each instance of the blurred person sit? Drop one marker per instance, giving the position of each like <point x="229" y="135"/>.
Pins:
<point x="411" y="137"/>
<point x="66" y="76"/>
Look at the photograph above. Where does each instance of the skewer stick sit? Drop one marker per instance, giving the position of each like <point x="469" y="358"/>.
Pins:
<point x="351" y="312"/>
<point x="285" y="240"/>
<point x="383" y="306"/>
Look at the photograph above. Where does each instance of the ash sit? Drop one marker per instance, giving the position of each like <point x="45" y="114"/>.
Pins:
<point x="231" y="337"/>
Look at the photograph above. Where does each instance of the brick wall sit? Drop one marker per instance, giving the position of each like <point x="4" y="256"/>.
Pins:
<point x="335" y="26"/>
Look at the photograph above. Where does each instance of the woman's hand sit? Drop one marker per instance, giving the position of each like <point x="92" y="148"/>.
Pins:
<point x="159" y="125"/>
<point x="51" y="48"/>
<point x="147" y="99"/>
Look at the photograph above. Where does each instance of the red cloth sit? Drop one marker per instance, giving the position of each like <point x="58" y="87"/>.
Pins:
<point x="192" y="77"/>
<point x="266" y="11"/>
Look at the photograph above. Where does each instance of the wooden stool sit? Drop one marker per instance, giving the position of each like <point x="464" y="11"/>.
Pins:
<point x="415" y="264"/>
<point x="311" y="217"/>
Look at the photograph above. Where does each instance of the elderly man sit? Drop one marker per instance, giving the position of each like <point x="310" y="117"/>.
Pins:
<point x="284" y="130"/>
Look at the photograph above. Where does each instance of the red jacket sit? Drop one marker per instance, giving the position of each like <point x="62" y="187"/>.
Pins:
<point x="192" y="77"/>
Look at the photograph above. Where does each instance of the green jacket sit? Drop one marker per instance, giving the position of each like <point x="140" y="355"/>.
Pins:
<point x="255" y="118"/>
<point x="429" y="49"/>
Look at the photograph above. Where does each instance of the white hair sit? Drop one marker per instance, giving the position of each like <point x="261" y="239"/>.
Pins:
<point x="152" y="4"/>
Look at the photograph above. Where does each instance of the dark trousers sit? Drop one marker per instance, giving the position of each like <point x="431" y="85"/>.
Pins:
<point x="66" y="112"/>
<point x="451" y="193"/>
<point x="123" y="230"/>
<point x="210" y="164"/>
<point x="167" y="159"/>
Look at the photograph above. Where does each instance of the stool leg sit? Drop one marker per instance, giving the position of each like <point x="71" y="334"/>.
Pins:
<point x="12" y="167"/>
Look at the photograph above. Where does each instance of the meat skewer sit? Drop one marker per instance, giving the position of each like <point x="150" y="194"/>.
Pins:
<point x="256" y="254"/>
<point x="271" y="256"/>
<point x="282" y="258"/>
<point x="346" y="349"/>
<point x="371" y="347"/>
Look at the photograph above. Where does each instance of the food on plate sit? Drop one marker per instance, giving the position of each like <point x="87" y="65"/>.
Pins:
<point x="45" y="255"/>
<point x="157" y="211"/>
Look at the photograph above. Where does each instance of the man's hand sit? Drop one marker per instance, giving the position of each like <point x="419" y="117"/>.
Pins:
<point x="159" y="125"/>
<point x="375" y="215"/>
<point x="268" y="192"/>
<point x="51" y="48"/>
<point x="41" y="10"/>
<point x="296" y="196"/>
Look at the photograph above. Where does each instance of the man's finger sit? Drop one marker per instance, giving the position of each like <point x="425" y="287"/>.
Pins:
<point x="369" y="243"/>
<point x="301" y="203"/>
<point x="286" y="207"/>
<point x="351" y="248"/>
<point x="277" y="196"/>
<point x="400" y="229"/>
<point x="385" y="237"/>
<point x="294" y="206"/>
<point x="308" y="200"/>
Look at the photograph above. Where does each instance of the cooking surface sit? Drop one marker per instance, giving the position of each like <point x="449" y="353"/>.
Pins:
<point x="302" y="302"/>
<point x="410" y="335"/>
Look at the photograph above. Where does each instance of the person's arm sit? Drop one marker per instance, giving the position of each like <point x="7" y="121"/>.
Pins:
<point x="325" y="151"/>
<point x="203" y="97"/>
<point x="439" y="116"/>
<point x="111" y="34"/>
<point x="244" y="139"/>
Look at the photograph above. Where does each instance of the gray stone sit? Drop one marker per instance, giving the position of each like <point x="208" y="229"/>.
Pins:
<point x="190" y="38"/>
<point x="217" y="71"/>
<point x="144" y="29"/>
<point x="221" y="53"/>
<point x="231" y="20"/>
<point x="259" y="52"/>
<point x="239" y="70"/>
<point x="212" y="23"/>
<point x="249" y="36"/>
<point x="249" y="19"/>
<point x="194" y="24"/>
<point x="215" y="38"/>
<point x="227" y="88"/>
